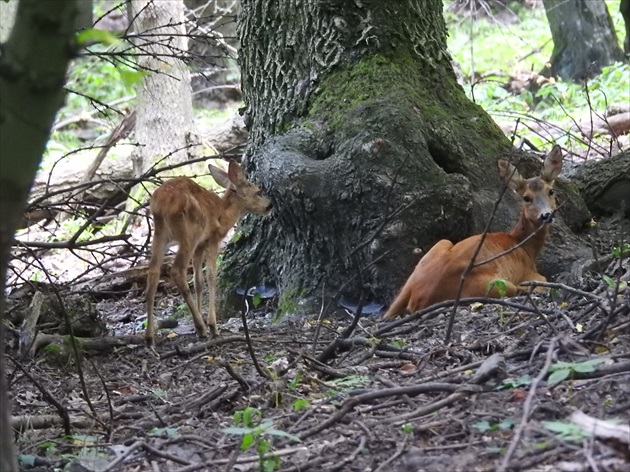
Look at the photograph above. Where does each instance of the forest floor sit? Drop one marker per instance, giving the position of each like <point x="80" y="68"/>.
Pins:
<point x="507" y="392"/>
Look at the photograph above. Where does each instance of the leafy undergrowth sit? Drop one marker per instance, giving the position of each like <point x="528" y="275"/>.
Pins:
<point x="390" y="397"/>
<point x="500" y="54"/>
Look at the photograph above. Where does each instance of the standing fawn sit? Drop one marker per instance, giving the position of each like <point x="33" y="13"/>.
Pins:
<point x="198" y="220"/>
<point x="437" y="276"/>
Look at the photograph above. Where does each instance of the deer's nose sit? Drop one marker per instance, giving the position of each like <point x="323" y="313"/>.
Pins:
<point x="546" y="217"/>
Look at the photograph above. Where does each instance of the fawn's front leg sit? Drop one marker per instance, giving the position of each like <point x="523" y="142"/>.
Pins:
<point x="211" y="278"/>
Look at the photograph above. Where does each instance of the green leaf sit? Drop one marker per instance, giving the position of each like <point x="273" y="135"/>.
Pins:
<point x="236" y="430"/>
<point x="94" y="36"/>
<point x="131" y="77"/>
<point x="568" y="431"/>
<point x="257" y="299"/>
<point x="609" y="280"/>
<point x="559" y="376"/>
<point x="560" y="365"/>
<point x="482" y="426"/>
<point x="300" y="404"/>
<point x="507" y="423"/>
<point x="501" y="286"/>
<point x="27" y="459"/>
<point x="247" y="442"/>
<point x="588" y="366"/>
<point x="249" y="414"/>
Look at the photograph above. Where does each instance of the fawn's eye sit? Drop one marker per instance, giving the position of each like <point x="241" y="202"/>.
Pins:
<point x="527" y="199"/>
<point x="551" y="193"/>
<point x="259" y="193"/>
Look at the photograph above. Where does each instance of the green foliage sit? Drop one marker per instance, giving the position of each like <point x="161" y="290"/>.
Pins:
<point x="522" y="381"/>
<point x="612" y="283"/>
<point x="300" y="404"/>
<point x="258" y="434"/>
<point x="160" y="393"/>
<point x="296" y="381"/>
<point x="566" y="431"/>
<point x="407" y="428"/>
<point x="490" y="50"/>
<point x="563" y="370"/>
<point x="503" y="425"/>
<point x="181" y="311"/>
<point x="398" y="344"/>
<point x="288" y="301"/>
<point x="93" y="36"/>
<point x="68" y="228"/>
<point x="257" y="299"/>
<point x="500" y="285"/>
<point x="95" y="78"/>
<point x="350" y="382"/>
<point x="620" y="252"/>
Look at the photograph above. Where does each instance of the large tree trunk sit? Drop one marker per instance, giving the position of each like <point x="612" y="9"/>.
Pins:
<point x="164" y="117"/>
<point x="584" y="38"/>
<point x="365" y="142"/>
<point x="32" y="70"/>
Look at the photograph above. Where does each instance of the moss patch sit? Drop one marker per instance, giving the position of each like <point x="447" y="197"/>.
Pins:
<point x="399" y="83"/>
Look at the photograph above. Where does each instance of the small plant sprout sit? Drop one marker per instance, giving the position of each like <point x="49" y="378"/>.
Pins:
<point x="500" y="285"/>
<point x="619" y="252"/>
<point x="612" y="283"/>
<point x="407" y="428"/>
<point x="300" y="404"/>
<point x="258" y="434"/>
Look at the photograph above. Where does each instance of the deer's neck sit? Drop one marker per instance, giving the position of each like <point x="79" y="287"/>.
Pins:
<point x="232" y="211"/>
<point x="524" y="228"/>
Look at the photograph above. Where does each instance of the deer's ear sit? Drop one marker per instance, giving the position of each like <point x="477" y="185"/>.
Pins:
<point x="220" y="176"/>
<point x="236" y="173"/>
<point x="553" y="165"/>
<point x="509" y="175"/>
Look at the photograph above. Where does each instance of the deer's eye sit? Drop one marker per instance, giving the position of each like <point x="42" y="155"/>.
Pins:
<point x="259" y="193"/>
<point x="527" y="199"/>
<point x="551" y="193"/>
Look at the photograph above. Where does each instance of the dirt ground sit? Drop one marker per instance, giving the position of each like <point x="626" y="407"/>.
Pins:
<point x="384" y="397"/>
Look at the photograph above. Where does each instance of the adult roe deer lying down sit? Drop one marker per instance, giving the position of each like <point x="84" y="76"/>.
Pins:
<point x="198" y="220"/>
<point x="437" y="276"/>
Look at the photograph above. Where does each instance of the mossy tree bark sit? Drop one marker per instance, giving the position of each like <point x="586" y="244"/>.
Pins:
<point x="32" y="71"/>
<point x="363" y="139"/>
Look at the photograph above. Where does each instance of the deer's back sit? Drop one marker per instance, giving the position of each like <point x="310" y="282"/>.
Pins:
<point x="186" y="209"/>
<point x="437" y="276"/>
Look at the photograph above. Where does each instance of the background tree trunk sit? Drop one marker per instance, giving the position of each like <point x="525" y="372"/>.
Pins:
<point x="584" y="38"/>
<point x="605" y="184"/>
<point x="624" y="8"/>
<point x="32" y="72"/>
<point x="164" y="118"/>
<point x="7" y="17"/>
<point x="365" y="142"/>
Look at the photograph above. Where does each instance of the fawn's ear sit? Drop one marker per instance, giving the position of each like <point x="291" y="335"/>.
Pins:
<point x="553" y="165"/>
<point x="510" y="175"/>
<point x="235" y="174"/>
<point x="220" y="176"/>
